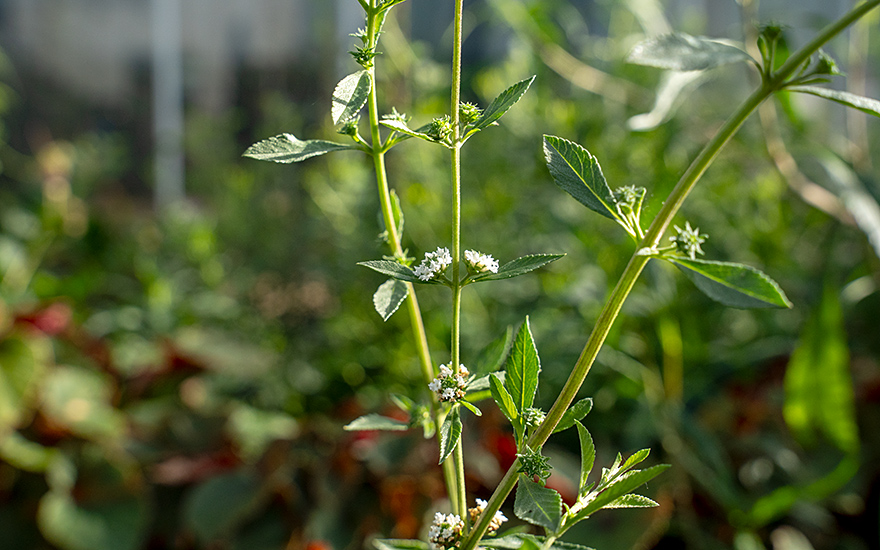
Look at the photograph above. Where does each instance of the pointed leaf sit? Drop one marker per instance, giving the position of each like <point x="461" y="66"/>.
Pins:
<point x="400" y="126"/>
<point x="502" y="397"/>
<point x="623" y="485"/>
<point x="863" y="104"/>
<point x="732" y="284"/>
<point x="502" y="104"/>
<point x="682" y="52"/>
<point x="523" y="366"/>
<point x="588" y="457"/>
<point x="632" y="501"/>
<point x="537" y="504"/>
<point x="450" y="433"/>
<point x="395" y="270"/>
<point x="400" y="544"/>
<point x="471" y="407"/>
<point x="635" y="458"/>
<point x="519" y="266"/>
<point x="350" y="96"/>
<point x="370" y="422"/>
<point x="578" y="173"/>
<point x="287" y="148"/>
<point x="574" y="413"/>
<point x="388" y="297"/>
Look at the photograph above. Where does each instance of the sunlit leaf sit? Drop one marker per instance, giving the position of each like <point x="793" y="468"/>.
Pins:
<point x="395" y="270"/>
<point x="732" y="284"/>
<point x="450" y="433"/>
<point x="502" y="397"/>
<point x="537" y="504"/>
<point x="388" y="297"/>
<point x="682" y="52"/>
<point x="631" y="501"/>
<point x="519" y="266"/>
<point x="374" y="421"/>
<point x="287" y="148"/>
<point x="502" y="103"/>
<point x="863" y="104"/>
<point x="588" y="457"/>
<point x="574" y="413"/>
<point x="350" y="96"/>
<point x="619" y="487"/>
<point x="521" y="371"/>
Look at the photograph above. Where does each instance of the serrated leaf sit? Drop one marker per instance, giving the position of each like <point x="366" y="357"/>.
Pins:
<point x="635" y="458"/>
<point x="537" y="504"/>
<point x="519" y="266"/>
<point x="400" y="544"/>
<point x="395" y="270"/>
<point x="287" y="148"/>
<point x="683" y="52"/>
<point x="588" y="458"/>
<point x="574" y="413"/>
<point x="619" y="487"/>
<point x="521" y="371"/>
<point x="388" y="297"/>
<point x="502" y="397"/>
<point x="732" y="284"/>
<point x="578" y="173"/>
<point x="372" y="421"/>
<point x="863" y="104"/>
<point x="501" y="104"/>
<point x="450" y="433"/>
<point x="350" y="96"/>
<point x="631" y="501"/>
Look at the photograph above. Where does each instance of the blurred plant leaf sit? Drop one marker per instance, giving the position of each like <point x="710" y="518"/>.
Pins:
<point x="537" y="504"/>
<point x="217" y="507"/>
<point x="254" y="429"/>
<point x="863" y="104"/>
<point x="521" y="371"/>
<point x="574" y="413"/>
<point x="287" y="148"/>
<point x="501" y="104"/>
<point x="732" y="284"/>
<point x="683" y="52"/>
<point x="492" y="357"/>
<point x="819" y="393"/>
<point x="109" y="525"/>
<point x="24" y="454"/>
<point x="673" y="86"/>
<point x="578" y="173"/>
<point x="374" y="421"/>
<point x="517" y="267"/>
<point x="450" y="433"/>
<point x="23" y="363"/>
<point x="388" y="297"/>
<point x="80" y="400"/>
<point x="350" y="96"/>
<point x="860" y="203"/>
<point x="400" y="544"/>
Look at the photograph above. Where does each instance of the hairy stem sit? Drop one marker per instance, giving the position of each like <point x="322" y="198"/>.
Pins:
<point x="652" y="238"/>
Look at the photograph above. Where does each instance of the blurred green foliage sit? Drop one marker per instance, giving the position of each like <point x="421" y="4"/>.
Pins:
<point x="181" y="380"/>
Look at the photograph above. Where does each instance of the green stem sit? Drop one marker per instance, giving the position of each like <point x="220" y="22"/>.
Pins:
<point x="638" y="261"/>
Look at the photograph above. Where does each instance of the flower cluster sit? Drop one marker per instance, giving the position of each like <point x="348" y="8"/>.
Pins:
<point x="497" y="519"/>
<point x="434" y="264"/>
<point x="445" y="531"/>
<point x="449" y="386"/>
<point x="533" y="463"/>
<point x="480" y="263"/>
<point x="469" y="113"/>
<point x="533" y="417"/>
<point x="688" y="240"/>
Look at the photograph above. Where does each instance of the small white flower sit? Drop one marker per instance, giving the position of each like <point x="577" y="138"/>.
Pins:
<point x="449" y="386"/>
<point x="445" y="531"/>
<point x="480" y="263"/>
<point x="434" y="264"/>
<point x="497" y="519"/>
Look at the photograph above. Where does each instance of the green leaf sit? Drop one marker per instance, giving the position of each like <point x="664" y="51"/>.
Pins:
<point x="732" y="284"/>
<point x="523" y="541"/>
<point x="23" y="364"/>
<point x="450" y="433"/>
<point x="621" y="486"/>
<point x="574" y="413"/>
<point x="222" y="504"/>
<point x="502" y="104"/>
<point x="537" y="504"/>
<point x="523" y="366"/>
<point x="819" y="394"/>
<point x="400" y="544"/>
<point x="373" y="421"/>
<point x="588" y="458"/>
<point x="118" y="524"/>
<point x="493" y="356"/>
<point x="23" y="454"/>
<point x="517" y="267"/>
<point x="286" y="148"/>
<point x="578" y="173"/>
<point x="682" y="52"/>
<point x="80" y="400"/>
<point x="395" y="270"/>
<point x="863" y="104"/>
<point x="350" y="96"/>
<point x="502" y="397"/>
<point x="632" y="501"/>
<point x="388" y="297"/>
<point x="471" y="407"/>
<point x="635" y="458"/>
<point x="400" y="126"/>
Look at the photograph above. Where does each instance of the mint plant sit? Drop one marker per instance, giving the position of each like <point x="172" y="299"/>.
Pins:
<point x="450" y="387"/>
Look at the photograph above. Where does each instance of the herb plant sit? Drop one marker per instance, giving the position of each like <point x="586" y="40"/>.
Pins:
<point x="452" y="390"/>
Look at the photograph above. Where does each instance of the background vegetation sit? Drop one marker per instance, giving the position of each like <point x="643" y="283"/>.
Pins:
<point x="181" y="379"/>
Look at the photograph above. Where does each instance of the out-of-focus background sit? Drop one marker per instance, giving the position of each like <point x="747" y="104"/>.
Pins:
<point x="184" y="332"/>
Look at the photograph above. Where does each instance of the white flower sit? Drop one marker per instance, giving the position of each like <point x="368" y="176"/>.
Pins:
<point x="449" y="386"/>
<point x="497" y="519"/>
<point x="434" y="264"/>
<point x="445" y="531"/>
<point x="480" y="263"/>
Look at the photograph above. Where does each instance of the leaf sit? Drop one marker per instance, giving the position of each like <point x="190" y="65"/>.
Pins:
<point x="523" y="366"/>
<point x="23" y="364"/>
<point x="400" y="544"/>
<point x="493" y="356"/>
<point x="574" y="413"/>
<point x="863" y="104"/>
<point x="287" y="148"/>
<point x="682" y="52"/>
<point x="80" y="400"/>
<point x="523" y="541"/>
<point x="118" y="524"/>
<point x="588" y="458"/>
<point x="471" y="407"/>
<point x="537" y="504"/>
<point x="670" y="94"/>
<point x="855" y="197"/>
<point x="623" y="485"/>
<point x="395" y="270"/>
<point x="635" y="458"/>
<point x="517" y="267"/>
<point x="632" y="501"/>
<point x="221" y="504"/>
<point x="350" y="96"/>
<point x="450" y="433"/>
<point x="373" y="421"/>
<point x="732" y="284"/>
<point x="502" y="104"/>
<point x="502" y="397"/>
<point x="400" y="126"/>
<point x="578" y="173"/>
<point x="388" y="297"/>
<point x="819" y="393"/>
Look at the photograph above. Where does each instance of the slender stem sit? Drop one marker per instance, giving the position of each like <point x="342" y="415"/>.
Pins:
<point x="638" y="261"/>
